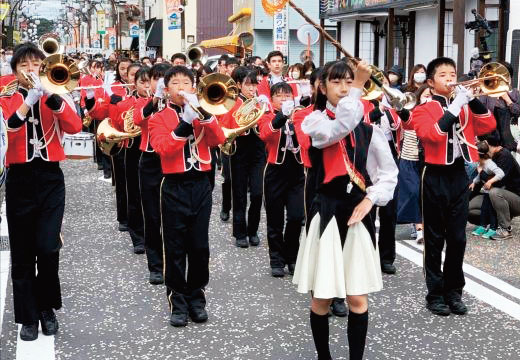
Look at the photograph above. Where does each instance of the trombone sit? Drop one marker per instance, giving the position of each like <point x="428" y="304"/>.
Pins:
<point x="493" y="80"/>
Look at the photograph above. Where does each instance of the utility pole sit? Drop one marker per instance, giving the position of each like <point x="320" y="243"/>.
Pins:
<point x="142" y="31"/>
<point x="183" y="26"/>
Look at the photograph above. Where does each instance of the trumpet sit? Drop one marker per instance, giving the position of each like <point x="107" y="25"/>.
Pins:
<point x="493" y="80"/>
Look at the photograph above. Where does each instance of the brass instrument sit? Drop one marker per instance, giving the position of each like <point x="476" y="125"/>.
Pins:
<point x="493" y="80"/>
<point x="128" y="123"/>
<point x="58" y="74"/>
<point x="50" y="44"/>
<point x="87" y="120"/>
<point x="371" y="91"/>
<point x="246" y="117"/>
<point x="108" y="137"/>
<point x="217" y="93"/>
<point x="195" y="52"/>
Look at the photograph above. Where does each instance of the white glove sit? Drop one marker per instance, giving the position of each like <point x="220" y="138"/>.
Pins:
<point x="190" y="98"/>
<point x="159" y="89"/>
<point x="462" y="97"/>
<point x="287" y="107"/>
<point x="262" y="99"/>
<point x="305" y="89"/>
<point x="33" y="95"/>
<point x="189" y="114"/>
<point x="90" y="93"/>
<point x="108" y="89"/>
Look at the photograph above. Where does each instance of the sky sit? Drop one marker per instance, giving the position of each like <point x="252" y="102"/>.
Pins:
<point x="49" y="9"/>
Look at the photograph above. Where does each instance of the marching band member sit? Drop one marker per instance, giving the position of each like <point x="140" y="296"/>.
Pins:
<point x="275" y="64"/>
<point x="283" y="181"/>
<point x="352" y="170"/>
<point x="35" y="192"/>
<point x="247" y="164"/>
<point x="150" y="174"/>
<point x="447" y="129"/>
<point x="102" y="107"/>
<point x="183" y="138"/>
<point x="380" y="113"/>
<point x="124" y="108"/>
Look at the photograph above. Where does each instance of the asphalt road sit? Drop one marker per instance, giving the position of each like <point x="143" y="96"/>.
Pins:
<point x="111" y="311"/>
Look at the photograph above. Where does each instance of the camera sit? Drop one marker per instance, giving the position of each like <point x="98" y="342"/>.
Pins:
<point x="480" y="23"/>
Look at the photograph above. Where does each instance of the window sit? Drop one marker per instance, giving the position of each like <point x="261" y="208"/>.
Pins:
<point x="448" y="33"/>
<point x="366" y="42"/>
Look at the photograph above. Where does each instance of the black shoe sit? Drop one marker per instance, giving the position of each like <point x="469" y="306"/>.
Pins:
<point x="339" y="308"/>
<point x="388" y="268"/>
<point x="29" y="332"/>
<point x="179" y="319"/>
<point x="291" y="268"/>
<point x="107" y="175"/>
<point x="198" y="314"/>
<point x="254" y="240"/>
<point x="224" y="215"/>
<point x="277" y="272"/>
<point x="100" y="166"/>
<point x="123" y="227"/>
<point x="457" y="307"/>
<point x="156" y="278"/>
<point x="439" y="308"/>
<point x="139" y="249"/>
<point x="242" y="243"/>
<point x="49" y="322"/>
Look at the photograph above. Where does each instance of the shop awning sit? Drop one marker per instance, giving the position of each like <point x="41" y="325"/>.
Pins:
<point x="231" y="44"/>
<point x="367" y="8"/>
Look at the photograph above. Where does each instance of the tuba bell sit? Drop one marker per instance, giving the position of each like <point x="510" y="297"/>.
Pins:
<point x="195" y="53"/>
<point x="50" y="44"/>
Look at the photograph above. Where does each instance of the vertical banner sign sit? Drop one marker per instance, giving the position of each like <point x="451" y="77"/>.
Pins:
<point x="4" y="10"/>
<point x="281" y="31"/>
<point x="173" y="15"/>
<point x="101" y="22"/>
<point x="111" y="31"/>
<point x="134" y="28"/>
<point x="142" y="43"/>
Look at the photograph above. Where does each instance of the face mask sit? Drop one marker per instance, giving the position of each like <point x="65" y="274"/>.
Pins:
<point x="393" y="79"/>
<point x="419" y="77"/>
<point x="8" y="58"/>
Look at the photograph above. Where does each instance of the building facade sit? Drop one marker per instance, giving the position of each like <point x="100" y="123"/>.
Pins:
<point x="409" y="32"/>
<point x="261" y="26"/>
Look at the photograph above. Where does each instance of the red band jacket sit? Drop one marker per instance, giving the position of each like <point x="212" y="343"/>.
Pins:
<point x="40" y="132"/>
<point x="104" y="106"/>
<point x="278" y="135"/>
<point x="88" y="80"/>
<point x="144" y="110"/>
<point x="373" y="115"/>
<point x="264" y="87"/>
<point x="179" y="144"/>
<point x="436" y="128"/>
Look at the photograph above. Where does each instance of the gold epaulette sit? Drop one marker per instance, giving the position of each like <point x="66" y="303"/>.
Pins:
<point x="9" y="89"/>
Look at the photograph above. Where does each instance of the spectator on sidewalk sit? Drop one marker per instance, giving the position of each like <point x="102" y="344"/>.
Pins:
<point x="505" y="196"/>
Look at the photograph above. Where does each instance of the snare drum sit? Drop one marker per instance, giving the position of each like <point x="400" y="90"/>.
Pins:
<point x="78" y="146"/>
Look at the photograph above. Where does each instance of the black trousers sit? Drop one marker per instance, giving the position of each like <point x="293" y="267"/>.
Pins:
<point x="283" y="191"/>
<point x="186" y="207"/>
<point x="133" y="195"/>
<point x="445" y="197"/>
<point x="388" y="221"/>
<point x="150" y="177"/>
<point x="247" y="166"/>
<point x="35" y="202"/>
<point x="226" y="184"/>
<point x="118" y="173"/>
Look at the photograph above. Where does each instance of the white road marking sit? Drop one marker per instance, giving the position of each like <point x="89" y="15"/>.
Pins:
<point x="41" y="348"/>
<point x="4" y="276"/>
<point x="477" y="290"/>
<point x="480" y="275"/>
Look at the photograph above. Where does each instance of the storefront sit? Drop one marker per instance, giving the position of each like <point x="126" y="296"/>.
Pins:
<point x="409" y="32"/>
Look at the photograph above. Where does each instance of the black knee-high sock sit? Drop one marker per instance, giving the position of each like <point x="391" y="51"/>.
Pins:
<point x="320" y="334"/>
<point x="357" y="334"/>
